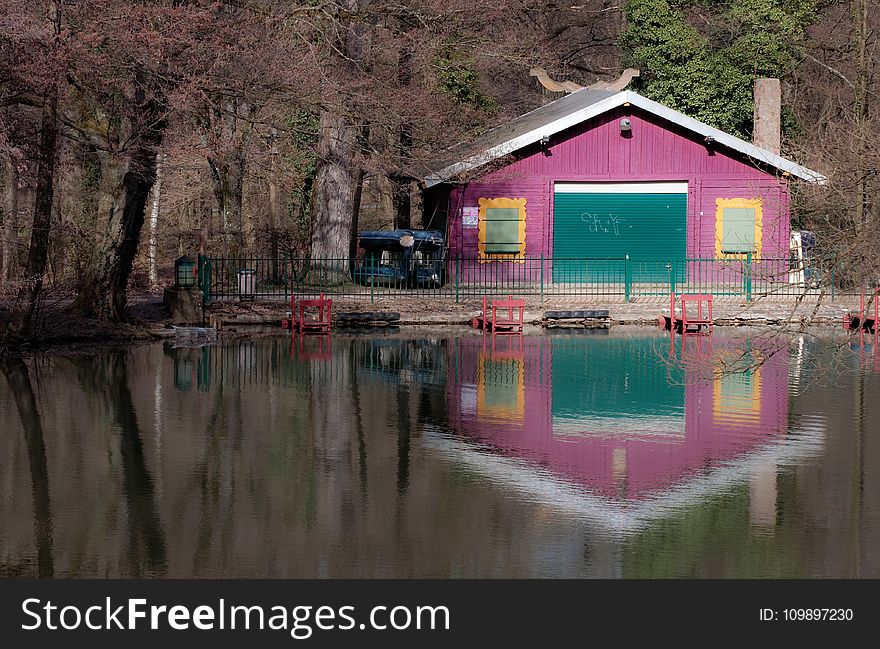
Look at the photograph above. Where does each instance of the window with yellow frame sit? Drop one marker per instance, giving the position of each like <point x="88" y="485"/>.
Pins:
<point x="501" y="232"/>
<point x="738" y="227"/>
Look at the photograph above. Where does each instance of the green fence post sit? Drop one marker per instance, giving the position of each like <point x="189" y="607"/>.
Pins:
<point x="542" y="276"/>
<point x="627" y="278"/>
<point x="748" y="276"/>
<point x="204" y="277"/>
<point x="457" y="267"/>
<point x="200" y="270"/>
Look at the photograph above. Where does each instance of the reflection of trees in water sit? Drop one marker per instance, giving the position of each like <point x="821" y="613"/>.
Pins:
<point x="403" y="440"/>
<point x="216" y="474"/>
<point x="16" y="374"/>
<point x="418" y="368"/>
<point x="146" y="537"/>
<point x="359" y="426"/>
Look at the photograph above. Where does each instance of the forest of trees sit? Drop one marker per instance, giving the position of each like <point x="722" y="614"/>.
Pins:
<point x="131" y="129"/>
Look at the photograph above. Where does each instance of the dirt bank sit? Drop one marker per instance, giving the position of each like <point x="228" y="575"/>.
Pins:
<point x="58" y="330"/>
<point x="434" y="311"/>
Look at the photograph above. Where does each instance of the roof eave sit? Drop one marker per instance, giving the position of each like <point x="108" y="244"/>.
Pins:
<point x="514" y="144"/>
<point x="625" y="96"/>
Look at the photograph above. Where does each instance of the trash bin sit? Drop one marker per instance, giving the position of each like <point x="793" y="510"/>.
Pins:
<point x="247" y="284"/>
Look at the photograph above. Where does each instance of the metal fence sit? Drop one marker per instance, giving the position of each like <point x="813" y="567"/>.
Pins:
<point x="466" y="278"/>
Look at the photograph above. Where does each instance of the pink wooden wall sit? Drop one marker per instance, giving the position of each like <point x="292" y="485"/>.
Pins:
<point x="652" y="465"/>
<point x="656" y="151"/>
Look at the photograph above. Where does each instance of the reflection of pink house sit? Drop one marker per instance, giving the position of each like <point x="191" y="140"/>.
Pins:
<point x="610" y="414"/>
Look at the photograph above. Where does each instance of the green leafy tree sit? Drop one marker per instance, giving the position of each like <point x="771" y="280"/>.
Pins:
<point x="705" y="68"/>
<point x="457" y="78"/>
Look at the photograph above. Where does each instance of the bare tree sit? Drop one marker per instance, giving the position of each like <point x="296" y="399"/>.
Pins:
<point x="10" y="218"/>
<point x="154" y="225"/>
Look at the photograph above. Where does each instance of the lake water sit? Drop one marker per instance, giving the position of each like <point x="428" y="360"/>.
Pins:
<point x="621" y="454"/>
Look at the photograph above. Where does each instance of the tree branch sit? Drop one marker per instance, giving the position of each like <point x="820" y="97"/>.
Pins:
<point x="21" y="100"/>
<point x="837" y="73"/>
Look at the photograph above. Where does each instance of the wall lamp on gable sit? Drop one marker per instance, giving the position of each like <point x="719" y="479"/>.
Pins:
<point x="545" y="144"/>
<point x="709" y="141"/>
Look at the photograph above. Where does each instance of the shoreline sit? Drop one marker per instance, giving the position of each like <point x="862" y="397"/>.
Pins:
<point x="64" y="334"/>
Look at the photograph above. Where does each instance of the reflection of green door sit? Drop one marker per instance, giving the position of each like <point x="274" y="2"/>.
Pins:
<point x="615" y="378"/>
<point x="597" y="221"/>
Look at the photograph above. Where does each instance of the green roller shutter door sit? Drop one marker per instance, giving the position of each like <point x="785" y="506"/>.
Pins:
<point x="647" y="221"/>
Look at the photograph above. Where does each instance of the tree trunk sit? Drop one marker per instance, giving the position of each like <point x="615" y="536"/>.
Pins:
<point x="10" y="220"/>
<point x="339" y="171"/>
<point x="402" y="203"/>
<point x="126" y="183"/>
<point x="356" y="201"/>
<point x="18" y="327"/>
<point x="154" y="225"/>
<point x="248" y="222"/>
<point x="227" y="177"/>
<point x="229" y="121"/>
<point x="334" y="188"/>
<point x="860" y="103"/>
<point x="274" y="211"/>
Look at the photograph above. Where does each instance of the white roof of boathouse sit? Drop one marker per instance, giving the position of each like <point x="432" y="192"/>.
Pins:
<point x="578" y="107"/>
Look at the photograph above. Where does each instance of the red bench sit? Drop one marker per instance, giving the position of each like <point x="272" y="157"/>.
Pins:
<point x="505" y="322"/>
<point x="864" y="321"/>
<point x="508" y="322"/>
<point x="696" y="321"/>
<point x="314" y="316"/>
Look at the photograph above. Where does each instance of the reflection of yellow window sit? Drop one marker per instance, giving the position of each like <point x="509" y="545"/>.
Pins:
<point x="737" y="396"/>
<point x="501" y="229"/>
<point x="738" y="227"/>
<point x="501" y="387"/>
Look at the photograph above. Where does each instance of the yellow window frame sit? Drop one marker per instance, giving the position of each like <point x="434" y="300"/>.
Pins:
<point x="484" y="410"/>
<point x="743" y="203"/>
<point x="515" y="203"/>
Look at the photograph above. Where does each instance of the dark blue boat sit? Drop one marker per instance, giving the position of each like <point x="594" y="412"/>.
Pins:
<point x="401" y="258"/>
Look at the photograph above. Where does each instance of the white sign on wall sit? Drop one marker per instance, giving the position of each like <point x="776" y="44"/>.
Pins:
<point x="470" y="217"/>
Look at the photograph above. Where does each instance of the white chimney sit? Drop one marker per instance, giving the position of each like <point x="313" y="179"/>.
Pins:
<point x="768" y="115"/>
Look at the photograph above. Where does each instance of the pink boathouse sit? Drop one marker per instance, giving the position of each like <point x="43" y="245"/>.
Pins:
<point x="601" y="175"/>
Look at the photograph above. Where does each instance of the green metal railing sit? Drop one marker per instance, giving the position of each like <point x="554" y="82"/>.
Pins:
<point x="465" y="278"/>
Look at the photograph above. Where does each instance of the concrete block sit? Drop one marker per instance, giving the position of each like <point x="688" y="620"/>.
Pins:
<point x="184" y="304"/>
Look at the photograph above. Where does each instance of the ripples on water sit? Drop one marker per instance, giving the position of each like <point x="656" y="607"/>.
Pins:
<point x="622" y="454"/>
